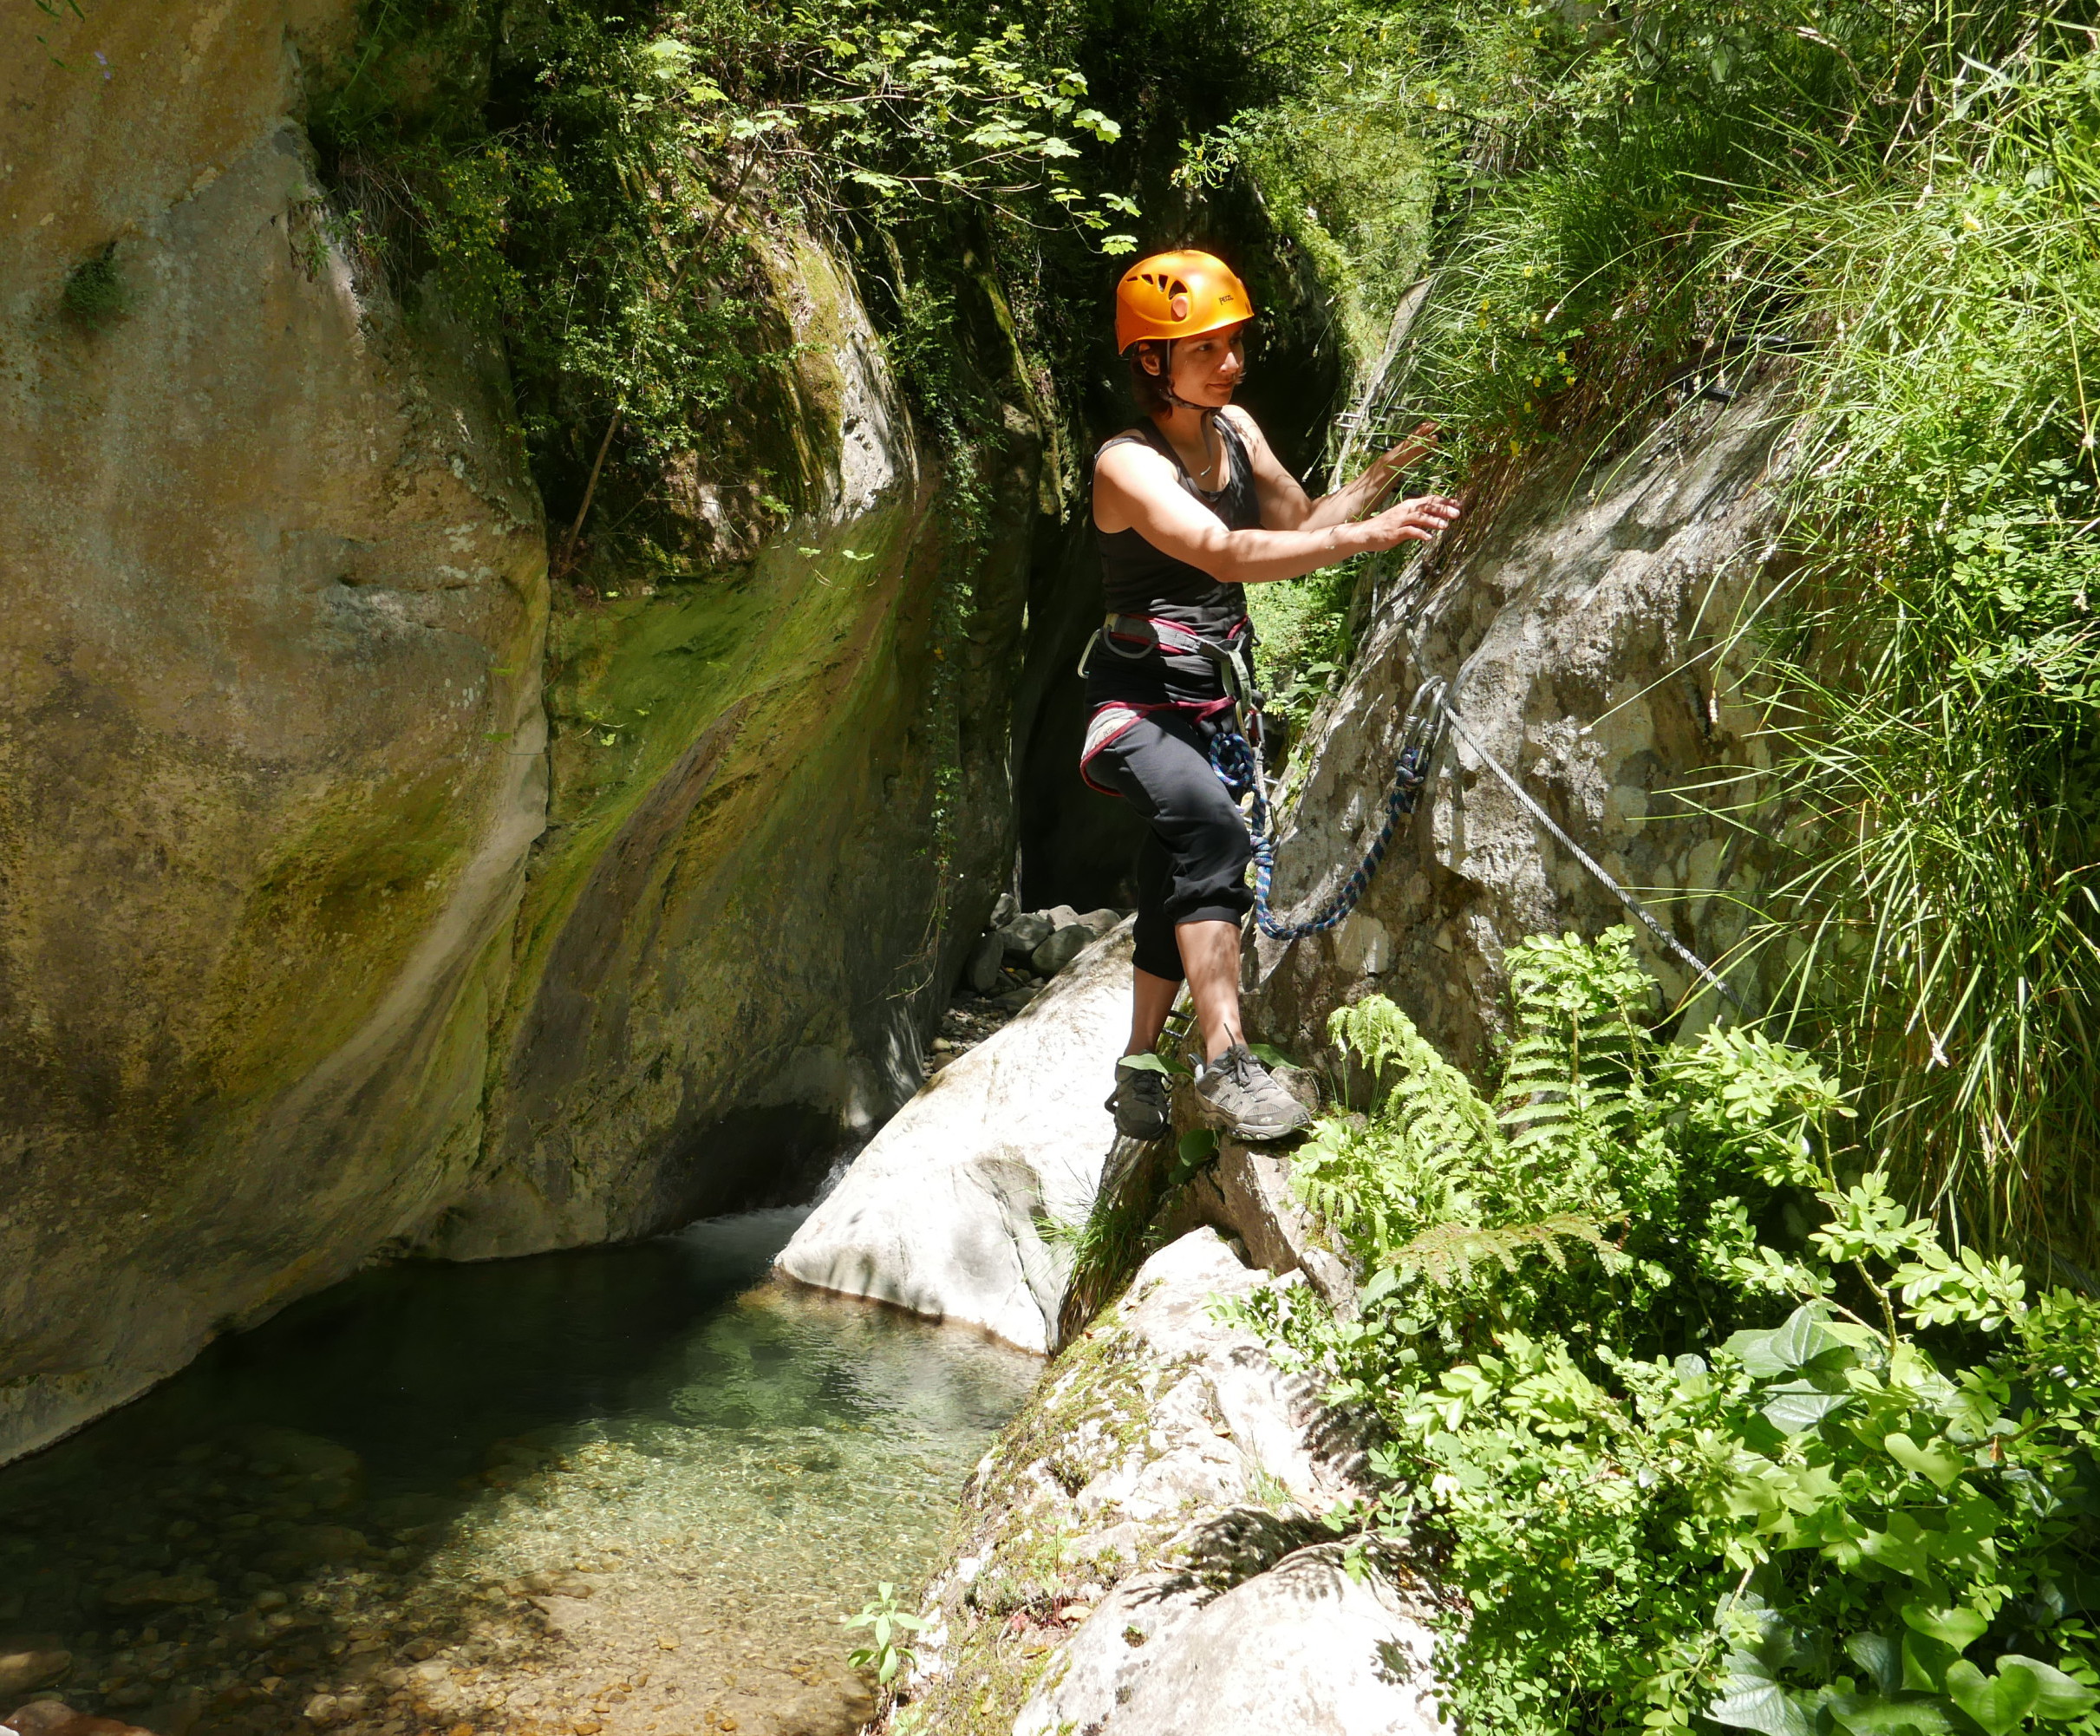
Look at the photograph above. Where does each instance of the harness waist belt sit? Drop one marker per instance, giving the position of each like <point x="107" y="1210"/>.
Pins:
<point x="1234" y="671"/>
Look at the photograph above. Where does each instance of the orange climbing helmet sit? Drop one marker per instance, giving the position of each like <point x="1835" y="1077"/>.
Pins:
<point x="1178" y="294"/>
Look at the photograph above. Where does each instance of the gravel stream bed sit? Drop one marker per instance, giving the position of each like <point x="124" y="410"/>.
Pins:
<point x="623" y="1490"/>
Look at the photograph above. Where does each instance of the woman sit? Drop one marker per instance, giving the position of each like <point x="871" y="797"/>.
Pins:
<point x="1190" y="505"/>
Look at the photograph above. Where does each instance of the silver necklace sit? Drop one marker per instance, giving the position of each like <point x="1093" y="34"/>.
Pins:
<point x="1212" y="465"/>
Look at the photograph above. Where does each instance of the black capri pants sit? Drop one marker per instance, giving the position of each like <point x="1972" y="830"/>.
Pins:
<point x="1192" y="866"/>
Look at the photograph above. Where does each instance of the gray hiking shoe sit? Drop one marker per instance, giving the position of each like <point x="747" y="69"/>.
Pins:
<point x="1245" y="1101"/>
<point x="1139" y="1104"/>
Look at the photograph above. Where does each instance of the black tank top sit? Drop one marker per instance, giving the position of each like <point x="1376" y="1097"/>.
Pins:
<point x="1138" y="578"/>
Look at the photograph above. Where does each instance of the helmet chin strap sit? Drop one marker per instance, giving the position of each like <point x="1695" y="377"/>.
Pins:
<point x="1166" y="383"/>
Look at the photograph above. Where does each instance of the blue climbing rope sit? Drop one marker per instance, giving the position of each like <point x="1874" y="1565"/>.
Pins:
<point x="1232" y="757"/>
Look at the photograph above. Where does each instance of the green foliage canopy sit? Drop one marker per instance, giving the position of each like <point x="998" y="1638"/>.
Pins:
<point x="597" y="184"/>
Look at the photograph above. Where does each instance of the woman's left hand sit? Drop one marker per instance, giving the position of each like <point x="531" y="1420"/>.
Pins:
<point x="1417" y="446"/>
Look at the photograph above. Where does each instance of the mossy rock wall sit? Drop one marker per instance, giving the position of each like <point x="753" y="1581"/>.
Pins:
<point x="289" y="975"/>
<point x="768" y="786"/>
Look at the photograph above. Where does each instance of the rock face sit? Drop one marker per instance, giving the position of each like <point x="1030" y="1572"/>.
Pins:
<point x="1303" y="1647"/>
<point x="269" y="725"/>
<point x="1143" y="1553"/>
<point x="311" y="944"/>
<point x="1579" y="633"/>
<point x="943" y="1212"/>
<point x="1245" y="1194"/>
<point x="727" y="946"/>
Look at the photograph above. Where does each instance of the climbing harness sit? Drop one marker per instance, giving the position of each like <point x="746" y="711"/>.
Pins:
<point x="1150" y="635"/>
<point x="1236" y="754"/>
<point x="1239" y="769"/>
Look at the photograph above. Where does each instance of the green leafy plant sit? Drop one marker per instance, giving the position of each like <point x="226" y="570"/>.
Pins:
<point x="95" y="293"/>
<point x="1703" y="1433"/>
<point x="887" y="1653"/>
<point x="1616" y="1157"/>
<point x="608" y="191"/>
<point x="1303" y="629"/>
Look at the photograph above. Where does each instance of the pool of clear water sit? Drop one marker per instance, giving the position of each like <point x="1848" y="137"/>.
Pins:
<point x="627" y="1491"/>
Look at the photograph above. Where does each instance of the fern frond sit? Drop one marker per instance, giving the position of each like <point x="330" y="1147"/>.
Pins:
<point x="1437" y="1160"/>
<point x="1447" y="1249"/>
<point x="1429" y="1102"/>
<point x="1578" y="1051"/>
<point x="1431" y="1138"/>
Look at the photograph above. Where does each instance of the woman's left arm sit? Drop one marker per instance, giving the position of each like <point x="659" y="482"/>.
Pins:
<point x="1285" y="505"/>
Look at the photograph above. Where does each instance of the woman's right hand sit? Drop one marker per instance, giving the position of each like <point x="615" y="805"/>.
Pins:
<point x="1415" y="521"/>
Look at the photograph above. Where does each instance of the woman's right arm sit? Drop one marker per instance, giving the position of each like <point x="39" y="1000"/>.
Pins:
<point x="1135" y="488"/>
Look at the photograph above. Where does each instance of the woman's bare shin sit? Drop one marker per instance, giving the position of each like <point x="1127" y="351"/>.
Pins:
<point x="1210" y="954"/>
<point x="1152" y="1000"/>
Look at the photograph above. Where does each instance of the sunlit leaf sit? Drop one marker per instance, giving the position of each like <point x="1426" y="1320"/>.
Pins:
<point x="1936" y="1461"/>
<point x="1999" y="1702"/>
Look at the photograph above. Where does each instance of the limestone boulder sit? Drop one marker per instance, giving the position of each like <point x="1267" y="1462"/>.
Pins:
<point x="1223" y="1421"/>
<point x="1100" y="1664"/>
<point x="1144" y="1553"/>
<point x="1304" y="1647"/>
<point x="1587" y="630"/>
<point x="1245" y="1194"/>
<point x="1024" y="933"/>
<point x="981" y="972"/>
<point x="30" y="1660"/>
<point x="1064" y="945"/>
<point x="944" y="1212"/>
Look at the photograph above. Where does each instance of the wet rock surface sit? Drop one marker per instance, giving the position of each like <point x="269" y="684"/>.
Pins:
<point x="280" y="599"/>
